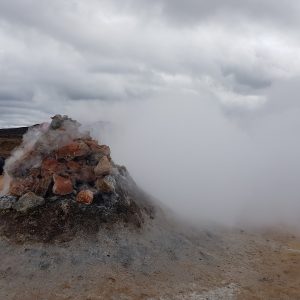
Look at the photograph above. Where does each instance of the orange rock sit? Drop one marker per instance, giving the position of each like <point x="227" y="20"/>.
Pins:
<point x="62" y="185"/>
<point x="104" y="167"/>
<point x="51" y="166"/>
<point x="73" y="166"/>
<point x="95" y="147"/>
<point x="85" y="197"/>
<point x="20" y="186"/>
<point x="72" y="150"/>
<point x="92" y="144"/>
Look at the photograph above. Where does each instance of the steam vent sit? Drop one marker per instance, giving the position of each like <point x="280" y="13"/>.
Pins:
<point x="60" y="181"/>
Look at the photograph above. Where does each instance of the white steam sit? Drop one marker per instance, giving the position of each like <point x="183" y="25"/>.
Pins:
<point x="28" y="142"/>
<point x="204" y="162"/>
<point x="201" y="162"/>
<point x="38" y="141"/>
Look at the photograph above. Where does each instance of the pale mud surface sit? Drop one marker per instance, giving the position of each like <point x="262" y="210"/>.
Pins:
<point x="161" y="260"/>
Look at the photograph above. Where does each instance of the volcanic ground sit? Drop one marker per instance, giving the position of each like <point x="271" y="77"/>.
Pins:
<point x="66" y="249"/>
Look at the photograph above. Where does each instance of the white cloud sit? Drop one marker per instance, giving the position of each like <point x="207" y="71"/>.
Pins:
<point x="107" y="51"/>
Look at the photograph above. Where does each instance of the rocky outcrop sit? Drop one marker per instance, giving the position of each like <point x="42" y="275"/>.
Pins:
<point x="60" y="170"/>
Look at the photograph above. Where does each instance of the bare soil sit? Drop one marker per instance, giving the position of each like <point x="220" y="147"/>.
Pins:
<point x="160" y="260"/>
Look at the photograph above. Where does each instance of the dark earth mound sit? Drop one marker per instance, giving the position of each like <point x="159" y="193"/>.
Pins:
<point x="60" y="181"/>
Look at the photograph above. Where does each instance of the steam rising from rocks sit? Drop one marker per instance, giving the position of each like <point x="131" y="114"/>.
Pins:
<point x="42" y="141"/>
<point x="61" y="181"/>
<point x="202" y="161"/>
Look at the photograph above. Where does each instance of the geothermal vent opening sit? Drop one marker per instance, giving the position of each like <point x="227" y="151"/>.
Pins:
<point x="60" y="181"/>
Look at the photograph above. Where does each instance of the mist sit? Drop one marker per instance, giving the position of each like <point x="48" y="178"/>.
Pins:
<point x="204" y="161"/>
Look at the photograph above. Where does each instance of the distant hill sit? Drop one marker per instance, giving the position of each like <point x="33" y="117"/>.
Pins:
<point x="9" y="139"/>
<point x="13" y="132"/>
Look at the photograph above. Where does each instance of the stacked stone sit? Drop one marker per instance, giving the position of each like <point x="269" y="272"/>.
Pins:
<point x="80" y="169"/>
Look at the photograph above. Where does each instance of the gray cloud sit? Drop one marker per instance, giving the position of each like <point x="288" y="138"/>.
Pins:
<point x="109" y="51"/>
<point x="247" y="78"/>
<point x="191" y="12"/>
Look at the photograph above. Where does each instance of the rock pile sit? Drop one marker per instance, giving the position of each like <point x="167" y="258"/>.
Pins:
<point x="58" y="162"/>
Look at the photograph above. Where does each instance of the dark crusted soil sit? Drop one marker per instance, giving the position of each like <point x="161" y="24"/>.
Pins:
<point x="63" y="219"/>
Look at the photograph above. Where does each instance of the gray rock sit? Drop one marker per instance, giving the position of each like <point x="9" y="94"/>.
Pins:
<point x="53" y="198"/>
<point x="104" y="167"/>
<point x="6" y="202"/>
<point x="57" y="121"/>
<point x="110" y="200"/>
<point x="106" y="184"/>
<point x="111" y="181"/>
<point x="28" y="201"/>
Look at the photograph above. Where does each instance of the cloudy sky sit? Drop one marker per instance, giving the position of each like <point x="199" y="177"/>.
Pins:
<point x="204" y="93"/>
<point x="55" y="54"/>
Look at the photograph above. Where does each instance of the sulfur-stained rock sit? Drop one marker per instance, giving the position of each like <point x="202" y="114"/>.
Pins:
<point x="106" y="184"/>
<point x="104" y="167"/>
<point x="85" y="197"/>
<point x="62" y="185"/>
<point x="72" y="150"/>
<point x="28" y="201"/>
